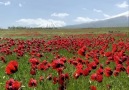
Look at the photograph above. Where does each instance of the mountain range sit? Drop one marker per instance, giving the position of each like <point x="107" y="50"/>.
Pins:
<point x="120" y="20"/>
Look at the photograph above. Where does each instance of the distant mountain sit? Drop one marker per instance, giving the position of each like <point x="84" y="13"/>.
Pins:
<point x="120" y="20"/>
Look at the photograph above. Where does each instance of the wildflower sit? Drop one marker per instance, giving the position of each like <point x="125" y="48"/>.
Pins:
<point x="12" y="84"/>
<point x="11" y="67"/>
<point x="32" y="83"/>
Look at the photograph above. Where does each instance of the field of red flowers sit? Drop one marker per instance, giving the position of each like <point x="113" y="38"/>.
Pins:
<point x="71" y="62"/>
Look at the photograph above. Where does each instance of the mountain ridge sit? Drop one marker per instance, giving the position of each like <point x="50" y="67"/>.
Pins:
<point x="120" y="20"/>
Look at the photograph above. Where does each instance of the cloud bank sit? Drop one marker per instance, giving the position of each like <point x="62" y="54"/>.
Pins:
<point x="83" y="19"/>
<point x="5" y="3"/>
<point x="39" y="22"/>
<point x="124" y="4"/>
<point x="60" y="15"/>
<point x="20" y="5"/>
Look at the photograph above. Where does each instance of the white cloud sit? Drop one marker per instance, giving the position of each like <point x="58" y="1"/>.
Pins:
<point x="5" y="3"/>
<point x="124" y="4"/>
<point x="106" y="15"/>
<point x="20" y="5"/>
<point x="97" y="10"/>
<point x="41" y="22"/>
<point x="100" y="11"/>
<point x="60" y="15"/>
<point x="84" y="19"/>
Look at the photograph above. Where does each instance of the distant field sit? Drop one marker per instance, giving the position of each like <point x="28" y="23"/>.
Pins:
<point x="38" y="33"/>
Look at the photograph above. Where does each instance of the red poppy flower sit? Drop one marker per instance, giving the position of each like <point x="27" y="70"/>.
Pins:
<point x="43" y="65"/>
<point x="115" y="73"/>
<point x="127" y="69"/>
<point x="55" y="80"/>
<point x="93" y="76"/>
<point x="120" y="67"/>
<point x="57" y="64"/>
<point x="12" y="84"/>
<point x="86" y="71"/>
<point x="16" y="85"/>
<point x="77" y="73"/>
<point x="96" y="60"/>
<point x="96" y="77"/>
<point x="11" y="67"/>
<point x="107" y="62"/>
<point x="63" y="78"/>
<point x="99" y="78"/>
<point x="3" y="59"/>
<point x="79" y="66"/>
<point x="93" y="65"/>
<point x="93" y="88"/>
<point x="108" y="72"/>
<point x="82" y="51"/>
<point x="79" y="60"/>
<point x="33" y="71"/>
<point x="107" y="54"/>
<point x="39" y="55"/>
<point x="60" y="70"/>
<point x="32" y="83"/>
<point x="99" y="71"/>
<point x="34" y="61"/>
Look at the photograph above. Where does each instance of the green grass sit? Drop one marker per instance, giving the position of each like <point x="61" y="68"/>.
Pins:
<point x="82" y="83"/>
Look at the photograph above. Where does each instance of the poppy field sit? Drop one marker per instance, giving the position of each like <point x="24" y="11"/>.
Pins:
<point x="82" y="61"/>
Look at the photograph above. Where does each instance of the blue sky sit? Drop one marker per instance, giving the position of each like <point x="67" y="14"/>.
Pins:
<point x="45" y="13"/>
